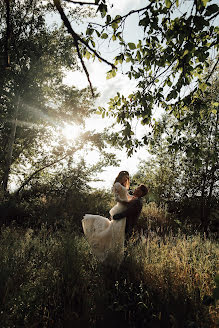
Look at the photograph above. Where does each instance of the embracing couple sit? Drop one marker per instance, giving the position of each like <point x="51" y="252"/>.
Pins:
<point x="107" y="236"/>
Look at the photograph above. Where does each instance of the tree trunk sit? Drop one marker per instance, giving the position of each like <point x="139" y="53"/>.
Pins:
<point x="9" y="149"/>
<point x="8" y="35"/>
<point x="203" y="200"/>
<point x="213" y="169"/>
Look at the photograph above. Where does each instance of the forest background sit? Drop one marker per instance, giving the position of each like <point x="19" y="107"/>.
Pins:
<point x="170" y="110"/>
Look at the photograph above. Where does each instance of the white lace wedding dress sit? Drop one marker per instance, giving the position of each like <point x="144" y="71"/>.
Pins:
<point x="106" y="237"/>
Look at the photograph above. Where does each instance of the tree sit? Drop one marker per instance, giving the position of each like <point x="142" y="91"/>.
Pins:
<point x="167" y="63"/>
<point x="185" y="164"/>
<point x="35" y="63"/>
<point x="161" y="173"/>
<point x="174" y="51"/>
<point x="34" y="100"/>
<point x="178" y="40"/>
<point x="195" y="133"/>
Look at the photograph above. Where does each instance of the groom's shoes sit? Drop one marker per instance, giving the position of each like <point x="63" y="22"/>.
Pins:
<point x="118" y="216"/>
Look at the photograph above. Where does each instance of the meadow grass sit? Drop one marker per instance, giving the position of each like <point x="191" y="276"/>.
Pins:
<point x="51" y="279"/>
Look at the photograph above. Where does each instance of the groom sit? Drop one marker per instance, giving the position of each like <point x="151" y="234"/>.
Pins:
<point x="133" y="210"/>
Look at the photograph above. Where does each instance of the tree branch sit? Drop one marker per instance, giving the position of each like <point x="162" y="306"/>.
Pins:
<point x="84" y="67"/>
<point x="8" y="35"/>
<point x="212" y="71"/>
<point x="123" y="17"/>
<point x="81" y="3"/>
<point x="77" y="39"/>
<point x="41" y="169"/>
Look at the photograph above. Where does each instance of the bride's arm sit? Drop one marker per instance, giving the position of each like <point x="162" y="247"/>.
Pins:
<point x="120" y="192"/>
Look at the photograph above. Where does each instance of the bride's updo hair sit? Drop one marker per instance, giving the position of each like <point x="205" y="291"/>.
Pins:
<point x="122" y="178"/>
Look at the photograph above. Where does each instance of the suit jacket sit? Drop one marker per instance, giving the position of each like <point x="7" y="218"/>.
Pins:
<point x="132" y="213"/>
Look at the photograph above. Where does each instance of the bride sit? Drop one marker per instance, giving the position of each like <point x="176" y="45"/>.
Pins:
<point x="106" y="237"/>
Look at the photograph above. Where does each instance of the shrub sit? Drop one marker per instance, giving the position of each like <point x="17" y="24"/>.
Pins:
<point x="154" y="217"/>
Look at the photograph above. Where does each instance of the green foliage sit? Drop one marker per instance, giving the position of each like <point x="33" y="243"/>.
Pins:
<point x="173" y="54"/>
<point x="35" y="104"/>
<point x="161" y="173"/>
<point x="55" y="200"/>
<point x="155" y="218"/>
<point x="183" y="168"/>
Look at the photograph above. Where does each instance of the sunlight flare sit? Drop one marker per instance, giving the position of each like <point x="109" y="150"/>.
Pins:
<point x="71" y="131"/>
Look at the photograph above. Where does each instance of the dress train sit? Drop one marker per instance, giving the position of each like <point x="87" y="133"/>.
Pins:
<point x="106" y="238"/>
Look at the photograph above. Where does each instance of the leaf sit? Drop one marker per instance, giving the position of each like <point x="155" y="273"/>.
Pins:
<point x="144" y="22"/>
<point x="104" y="36"/>
<point x="111" y="74"/>
<point x="199" y="22"/>
<point x="89" y="31"/>
<point x="178" y="222"/>
<point x="103" y="9"/>
<point x="169" y="83"/>
<point x="138" y="55"/>
<point x="203" y="86"/>
<point x="168" y="3"/>
<point x="114" y="37"/>
<point x="118" y="18"/>
<point x="198" y="163"/>
<point x="87" y="55"/>
<point x="132" y="46"/>
<point x="185" y="52"/>
<point x="114" y="25"/>
<point x="172" y="95"/>
<point x="204" y="2"/>
<point x="114" y="73"/>
<point x="108" y="19"/>
<point x="211" y="9"/>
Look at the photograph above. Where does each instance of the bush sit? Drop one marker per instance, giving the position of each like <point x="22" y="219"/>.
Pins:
<point x="42" y="206"/>
<point x="155" y="218"/>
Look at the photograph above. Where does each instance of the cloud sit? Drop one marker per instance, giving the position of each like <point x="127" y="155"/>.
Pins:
<point x="124" y="6"/>
<point x="107" y="88"/>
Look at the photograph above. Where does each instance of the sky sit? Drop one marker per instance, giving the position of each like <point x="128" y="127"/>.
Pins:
<point x="108" y="89"/>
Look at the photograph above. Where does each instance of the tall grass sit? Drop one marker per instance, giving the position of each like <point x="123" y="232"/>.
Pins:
<point x="51" y="279"/>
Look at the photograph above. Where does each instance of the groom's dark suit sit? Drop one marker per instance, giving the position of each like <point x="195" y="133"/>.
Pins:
<point x="132" y="214"/>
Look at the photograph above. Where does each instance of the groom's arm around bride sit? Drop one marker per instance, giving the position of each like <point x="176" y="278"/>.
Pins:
<point x="133" y="210"/>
